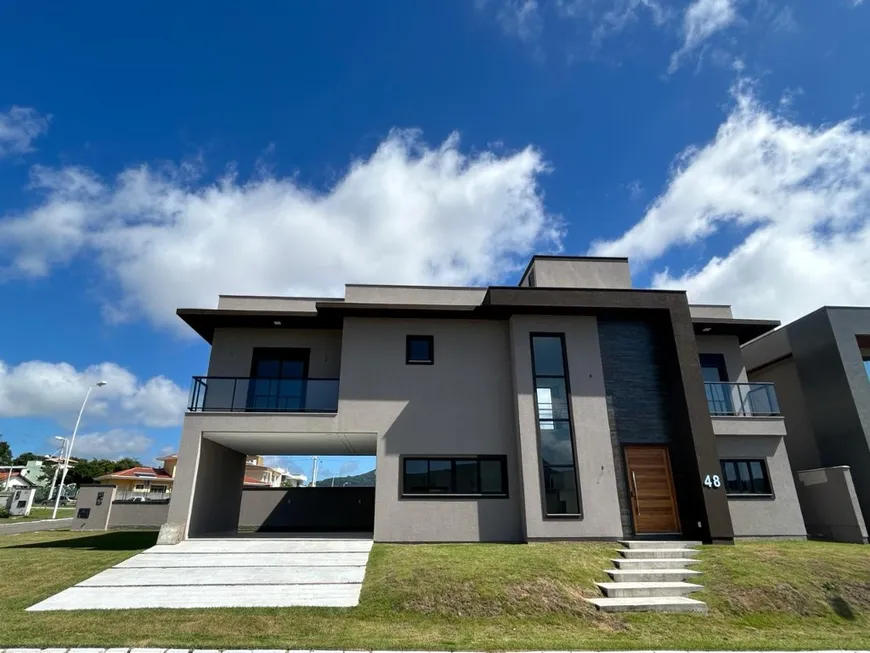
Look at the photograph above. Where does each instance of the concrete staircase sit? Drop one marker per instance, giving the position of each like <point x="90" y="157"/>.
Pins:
<point x="651" y="577"/>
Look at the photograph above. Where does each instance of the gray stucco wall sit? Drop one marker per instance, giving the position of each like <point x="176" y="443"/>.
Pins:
<point x="143" y="514"/>
<point x="217" y="494"/>
<point x="729" y="347"/>
<point x="596" y="472"/>
<point x="574" y="273"/>
<point x="801" y="441"/>
<point x="461" y="405"/>
<point x="232" y="349"/>
<point x="829" y="505"/>
<point x="779" y="516"/>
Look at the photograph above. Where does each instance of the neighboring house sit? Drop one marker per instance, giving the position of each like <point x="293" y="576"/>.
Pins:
<point x="570" y="407"/>
<point x="821" y="366"/>
<point x="140" y="483"/>
<point x="12" y="480"/>
<point x="260" y="474"/>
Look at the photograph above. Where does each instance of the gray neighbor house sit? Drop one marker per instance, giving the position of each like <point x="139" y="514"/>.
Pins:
<point x="820" y="364"/>
<point x="571" y="406"/>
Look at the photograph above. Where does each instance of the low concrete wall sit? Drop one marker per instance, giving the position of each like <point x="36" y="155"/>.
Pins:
<point x="93" y="509"/>
<point x="830" y="505"/>
<point x="310" y="508"/>
<point x="264" y="509"/>
<point x="139" y="514"/>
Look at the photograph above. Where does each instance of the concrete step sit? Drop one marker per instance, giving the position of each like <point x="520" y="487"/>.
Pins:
<point x="650" y="604"/>
<point x="657" y="544"/>
<point x="653" y="563"/>
<point x="636" y="554"/>
<point x="663" y="588"/>
<point x="650" y="575"/>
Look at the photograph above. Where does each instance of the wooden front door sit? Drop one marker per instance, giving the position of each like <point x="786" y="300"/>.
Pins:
<point x="653" y="501"/>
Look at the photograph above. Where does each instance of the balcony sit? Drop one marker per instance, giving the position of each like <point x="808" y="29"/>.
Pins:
<point x="730" y="404"/>
<point x="742" y="399"/>
<point x="258" y="395"/>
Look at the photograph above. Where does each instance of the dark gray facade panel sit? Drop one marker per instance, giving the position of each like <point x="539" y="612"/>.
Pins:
<point x="633" y="380"/>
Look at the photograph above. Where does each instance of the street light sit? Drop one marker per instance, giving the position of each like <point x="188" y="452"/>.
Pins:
<point x="63" y="447"/>
<point x="98" y="384"/>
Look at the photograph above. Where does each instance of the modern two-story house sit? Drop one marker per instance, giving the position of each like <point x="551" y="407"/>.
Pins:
<point x="572" y="406"/>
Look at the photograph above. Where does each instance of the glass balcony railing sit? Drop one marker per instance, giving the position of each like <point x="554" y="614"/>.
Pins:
<point x="246" y="394"/>
<point x="742" y="399"/>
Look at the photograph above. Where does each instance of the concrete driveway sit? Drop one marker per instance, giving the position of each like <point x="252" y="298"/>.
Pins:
<point x="227" y="572"/>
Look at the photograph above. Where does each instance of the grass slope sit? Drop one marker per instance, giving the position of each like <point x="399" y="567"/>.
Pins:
<point x="465" y="597"/>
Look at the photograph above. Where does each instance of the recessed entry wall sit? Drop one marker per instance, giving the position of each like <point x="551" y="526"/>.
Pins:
<point x="636" y="393"/>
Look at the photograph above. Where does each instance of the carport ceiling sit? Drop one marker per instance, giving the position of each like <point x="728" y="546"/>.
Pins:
<point x="297" y="444"/>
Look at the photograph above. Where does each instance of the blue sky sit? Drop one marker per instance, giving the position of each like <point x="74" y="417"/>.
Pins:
<point x="155" y="155"/>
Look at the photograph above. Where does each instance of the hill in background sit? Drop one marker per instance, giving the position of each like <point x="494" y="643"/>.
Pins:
<point x="360" y="480"/>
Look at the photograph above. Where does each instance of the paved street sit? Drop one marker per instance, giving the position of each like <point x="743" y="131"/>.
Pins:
<point x="33" y="526"/>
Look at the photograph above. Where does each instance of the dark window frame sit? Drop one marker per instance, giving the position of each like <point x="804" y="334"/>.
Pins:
<point x="744" y="493"/>
<point x="452" y="494"/>
<point x="430" y="340"/>
<point x="256" y="382"/>
<point x="565" y="376"/>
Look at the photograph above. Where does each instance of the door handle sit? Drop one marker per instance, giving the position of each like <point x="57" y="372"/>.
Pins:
<point x="636" y="498"/>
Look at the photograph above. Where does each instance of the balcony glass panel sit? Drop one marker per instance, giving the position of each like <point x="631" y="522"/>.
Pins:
<point x="279" y="395"/>
<point x="742" y="399"/>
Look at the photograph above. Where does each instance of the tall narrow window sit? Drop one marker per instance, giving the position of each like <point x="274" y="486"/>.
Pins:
<point x="556" y="436"/>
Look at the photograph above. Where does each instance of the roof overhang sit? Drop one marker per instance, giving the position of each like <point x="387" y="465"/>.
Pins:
<point x="204" y="321"/>
<point x="745" y="330"/>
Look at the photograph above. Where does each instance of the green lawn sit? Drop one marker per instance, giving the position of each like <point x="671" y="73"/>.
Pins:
<point x="40" y="513"/>
<point x="465" y="597"/>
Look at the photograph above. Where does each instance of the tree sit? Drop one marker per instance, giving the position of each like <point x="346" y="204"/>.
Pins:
<point x="126" y="463"/>
<point x="24" y="458"/>
<point x="5" y="454"/>
<point x="86" y="471"/>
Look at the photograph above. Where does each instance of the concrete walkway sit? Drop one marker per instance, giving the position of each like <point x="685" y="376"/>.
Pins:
<point x="32" y="526"/>
<point x="227" y="573"/>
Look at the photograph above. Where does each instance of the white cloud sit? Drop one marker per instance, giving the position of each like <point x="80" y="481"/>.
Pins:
<point x="114" y="444"/>
<point x="594" y="19"/>
<point x="703" y="18"/>
<point x="56" y="390"/>
<point x="785" y="21"/>
<point x="521" y="18"/>
<point x="410" y="213"/>
<point x="799" y="193"/>
<point x="623" y="13"/>
<point x="19" y="127"/>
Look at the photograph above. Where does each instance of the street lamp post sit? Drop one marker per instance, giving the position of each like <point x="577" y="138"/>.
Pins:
<point x="98" y="384"/>
<point x="63" y="446"/>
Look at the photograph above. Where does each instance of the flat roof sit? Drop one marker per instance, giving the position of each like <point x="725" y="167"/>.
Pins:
<point x="499" y="302"/>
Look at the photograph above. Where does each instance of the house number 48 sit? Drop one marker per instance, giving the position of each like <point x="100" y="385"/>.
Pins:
<point x="713" y="481"/>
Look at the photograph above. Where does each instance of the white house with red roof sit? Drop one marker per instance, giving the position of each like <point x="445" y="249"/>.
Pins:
<point x="145" y="483"/>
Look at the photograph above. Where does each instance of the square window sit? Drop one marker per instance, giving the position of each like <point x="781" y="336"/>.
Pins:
<point x="419" y="350"/>
<point x="746" y="477"/>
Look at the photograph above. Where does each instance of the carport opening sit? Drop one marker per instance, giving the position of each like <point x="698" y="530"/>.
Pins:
<point x="308" y="494"/>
